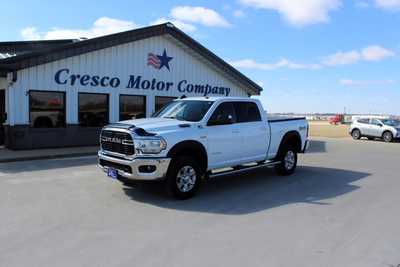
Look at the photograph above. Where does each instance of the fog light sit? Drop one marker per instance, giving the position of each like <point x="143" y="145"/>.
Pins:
<point x="147" y="168"/>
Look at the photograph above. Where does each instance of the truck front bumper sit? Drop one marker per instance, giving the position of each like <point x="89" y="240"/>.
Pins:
<point x="141" y="169"/>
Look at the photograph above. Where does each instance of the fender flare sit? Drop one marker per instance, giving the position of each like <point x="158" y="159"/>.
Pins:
<point x="190" y="148"/>
<point x="291" y="136"/>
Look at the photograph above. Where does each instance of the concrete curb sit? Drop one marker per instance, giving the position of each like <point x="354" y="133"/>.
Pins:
<point x="60" y="156"/>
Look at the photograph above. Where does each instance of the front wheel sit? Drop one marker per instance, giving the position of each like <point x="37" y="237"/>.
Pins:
<point x="387" y="137"/>
<point x="183" y="178"/>
<point x="356" y="134"/>
<point x="288" y="161"/>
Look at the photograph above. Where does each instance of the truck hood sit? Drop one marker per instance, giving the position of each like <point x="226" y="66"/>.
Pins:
<point x="157" y="125"/>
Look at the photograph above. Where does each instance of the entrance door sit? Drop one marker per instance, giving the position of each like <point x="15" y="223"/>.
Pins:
<point x="2" y="114"/>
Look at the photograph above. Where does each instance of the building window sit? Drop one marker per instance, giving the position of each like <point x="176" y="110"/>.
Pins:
<point x="46" y="109"/>
<point x="132" y="107"/>
<point x="93" y="109"/>
<point x="161" y="101"/>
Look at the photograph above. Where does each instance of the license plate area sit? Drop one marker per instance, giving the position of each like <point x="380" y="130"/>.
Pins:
<point x="113" y="173"/>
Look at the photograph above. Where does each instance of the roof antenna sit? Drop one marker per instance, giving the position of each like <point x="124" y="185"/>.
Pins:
<point x="182" y="97"/>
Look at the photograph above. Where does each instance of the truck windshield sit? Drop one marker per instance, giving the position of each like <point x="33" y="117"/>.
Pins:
<point x="391" y="122"/>
<point x="187" y="110"/>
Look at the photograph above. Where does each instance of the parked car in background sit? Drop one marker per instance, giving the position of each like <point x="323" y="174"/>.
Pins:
<point x="386" y="129"/>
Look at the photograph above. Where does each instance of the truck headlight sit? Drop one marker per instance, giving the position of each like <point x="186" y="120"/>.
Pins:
<point x="150" y="145"/>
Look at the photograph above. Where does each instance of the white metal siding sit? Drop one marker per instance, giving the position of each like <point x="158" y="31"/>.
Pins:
<point x="119" y="61"/>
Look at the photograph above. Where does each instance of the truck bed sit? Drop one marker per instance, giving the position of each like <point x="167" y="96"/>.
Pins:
<point x="279" y="126"/>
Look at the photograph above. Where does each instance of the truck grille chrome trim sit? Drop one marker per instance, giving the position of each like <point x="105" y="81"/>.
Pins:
<point x="117" y="142"/>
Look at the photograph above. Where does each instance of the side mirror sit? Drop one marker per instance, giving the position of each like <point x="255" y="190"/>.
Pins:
<point x="380" y="124"/>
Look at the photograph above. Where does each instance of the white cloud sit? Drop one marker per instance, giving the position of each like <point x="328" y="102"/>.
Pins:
<point x="388" y="4"/>
<point x="186" y="27"/>
<point x="369" y="53"/>
<point x="200" y="15"/>
<point x="30" y="33"/>
<point x="239" y="13"/>
<point x="298" y="13"/>
<point x="351" y="82"/>
<point x="362" y="4"/>
<point x="282" y="63"/>
<point x="102" y="26"/>
<point x="342" y="58"/>
<point x="376" y="53"/>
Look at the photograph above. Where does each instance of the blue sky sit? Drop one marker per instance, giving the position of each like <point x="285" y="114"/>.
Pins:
<point x="309" y="55"/>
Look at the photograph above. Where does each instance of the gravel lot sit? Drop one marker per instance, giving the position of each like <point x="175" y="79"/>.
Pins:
<point x="341" y="208"/>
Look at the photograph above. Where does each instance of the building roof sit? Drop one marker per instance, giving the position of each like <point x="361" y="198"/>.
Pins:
<point x="12" y="49"/>
<point x="69" y="48"/>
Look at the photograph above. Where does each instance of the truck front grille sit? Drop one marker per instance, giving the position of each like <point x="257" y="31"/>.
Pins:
<point x="117" y="142"/>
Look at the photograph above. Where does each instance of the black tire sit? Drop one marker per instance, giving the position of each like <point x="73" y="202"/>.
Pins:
<point x="387" y="137"/>
<point x="183" y="178"/>
<point x="287" y="156"/>
<point x="356" y="134"/>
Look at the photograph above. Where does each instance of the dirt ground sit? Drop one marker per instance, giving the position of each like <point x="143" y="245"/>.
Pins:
<point x="324" y="129"/>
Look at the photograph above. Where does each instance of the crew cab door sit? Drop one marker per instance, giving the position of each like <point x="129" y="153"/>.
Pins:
<point x="375" y="128"/>
<point x="223" y="137"/>
<point x="254" y="132"/>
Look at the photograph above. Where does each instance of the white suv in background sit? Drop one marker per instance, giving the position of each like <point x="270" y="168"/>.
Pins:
<point x="387" y="129"/>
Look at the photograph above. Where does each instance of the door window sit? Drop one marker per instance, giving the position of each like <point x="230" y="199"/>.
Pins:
<point x="247" y="112"/>
<point x="364" y="121"/>
<point x="375" y="122"/>
<point x="224" y="114"/>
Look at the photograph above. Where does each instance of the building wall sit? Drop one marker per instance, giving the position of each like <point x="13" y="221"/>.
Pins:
<point x="119" y="61"/>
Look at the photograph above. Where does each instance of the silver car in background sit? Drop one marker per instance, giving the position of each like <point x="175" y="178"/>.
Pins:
<point x="387" y="129"/>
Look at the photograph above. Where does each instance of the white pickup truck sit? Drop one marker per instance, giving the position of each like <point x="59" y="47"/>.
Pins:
<point x="192" y="139"/>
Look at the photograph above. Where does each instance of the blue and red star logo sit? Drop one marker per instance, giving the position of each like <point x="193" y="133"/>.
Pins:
<point x="159" y="61"/>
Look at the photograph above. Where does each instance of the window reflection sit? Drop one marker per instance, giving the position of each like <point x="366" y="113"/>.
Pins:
<point x="93" y="110"/>
<point x="46" y="109"/>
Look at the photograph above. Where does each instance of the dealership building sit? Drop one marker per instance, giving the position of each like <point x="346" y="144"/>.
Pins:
<point x="60" y="93"/>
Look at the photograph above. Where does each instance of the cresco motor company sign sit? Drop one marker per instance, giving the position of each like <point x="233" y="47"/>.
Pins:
<point x="66" y="77"/>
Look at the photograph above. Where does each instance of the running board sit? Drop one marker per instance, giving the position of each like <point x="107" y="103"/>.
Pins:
<point x="243" y="168"/>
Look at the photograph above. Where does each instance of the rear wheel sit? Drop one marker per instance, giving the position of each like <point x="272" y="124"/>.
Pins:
<point x="356" y="134"/>
<point x="183" y="178"/>
<point x="387" y="137"/>
<point x="288" y="161"/>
